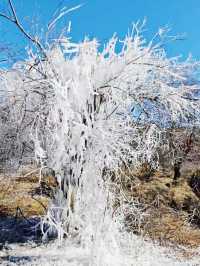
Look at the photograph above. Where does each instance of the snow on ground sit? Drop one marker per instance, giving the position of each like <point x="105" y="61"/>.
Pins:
<point x="72" y="254"/>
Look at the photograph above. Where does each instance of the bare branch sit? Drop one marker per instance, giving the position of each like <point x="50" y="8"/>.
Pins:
<point x="13" y="9"/>
<point x="6" y="17"/>
<point x="14" y="19"/>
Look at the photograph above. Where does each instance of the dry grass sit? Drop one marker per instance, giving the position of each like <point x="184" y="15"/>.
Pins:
<point x="166" y="226"/>
<point x="168" y="206"/>
<point x="25" y="193"/>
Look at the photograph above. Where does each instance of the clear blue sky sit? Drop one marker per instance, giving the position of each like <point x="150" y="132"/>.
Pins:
<point x="101" y="18"/>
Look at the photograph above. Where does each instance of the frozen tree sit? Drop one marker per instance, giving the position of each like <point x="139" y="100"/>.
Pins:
<point x="88" y="112"/>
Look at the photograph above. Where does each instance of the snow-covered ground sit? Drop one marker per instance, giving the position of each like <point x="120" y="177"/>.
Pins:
<point x="72" y="254"/>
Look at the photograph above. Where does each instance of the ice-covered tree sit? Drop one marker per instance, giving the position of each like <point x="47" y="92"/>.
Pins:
<point x="89" y="111"/>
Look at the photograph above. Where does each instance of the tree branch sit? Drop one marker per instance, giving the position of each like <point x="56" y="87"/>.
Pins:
<point x="14" y="19"/>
